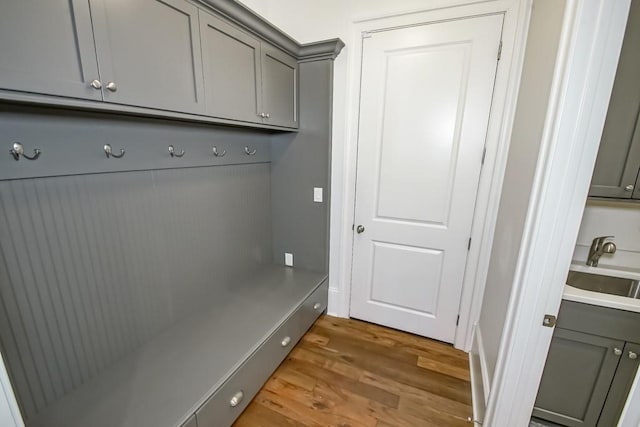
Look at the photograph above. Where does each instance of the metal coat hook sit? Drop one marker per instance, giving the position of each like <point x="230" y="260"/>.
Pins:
<point x="172" y="152"/>
<point x="219" y="154"/>
<point x="18" y="150"/>
<point x="249" y="152"/>
<point x="109" y="151"/>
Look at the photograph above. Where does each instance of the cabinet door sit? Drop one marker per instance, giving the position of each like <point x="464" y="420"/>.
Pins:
<point x="149" y="52"/>
<point x="47" y="47"/>
<point x="279" y="87"/>
<point x="231" y="63"/>
<point x="618" y="159"/>
<point x="621" y="386"/>
<point x="576" y="378"/>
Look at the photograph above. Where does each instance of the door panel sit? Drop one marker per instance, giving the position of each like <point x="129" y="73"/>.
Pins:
<point x="576" y="379"/>
<point x="425" y="101"/>
<point x="409" y="163"/>
<point x="47" y="47"/>
<point x="279" y="87"/>
<point x="150" y="49"/>
<point x="231" y="60"/>
<point x="409" y="266"/>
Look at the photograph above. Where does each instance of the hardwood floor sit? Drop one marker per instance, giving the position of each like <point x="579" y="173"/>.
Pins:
<point x="348" y="373"/>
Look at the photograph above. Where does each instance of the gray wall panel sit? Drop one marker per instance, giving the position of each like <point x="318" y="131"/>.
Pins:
<point x="72" y="143"/>
<point x="299" y="163"/>
<point x="92" y="266"/>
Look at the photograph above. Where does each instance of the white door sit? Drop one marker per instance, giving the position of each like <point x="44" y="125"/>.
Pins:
<point x="425" y="100"/>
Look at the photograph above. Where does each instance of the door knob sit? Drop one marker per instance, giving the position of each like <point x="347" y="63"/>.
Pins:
<point x="633" y="355"/>
<point x="112" y="86"/>
<point x="96" y="84"/>
<point x="360" y="229"/>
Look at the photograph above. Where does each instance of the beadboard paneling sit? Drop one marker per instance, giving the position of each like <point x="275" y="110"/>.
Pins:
<point x="92" y="266"/>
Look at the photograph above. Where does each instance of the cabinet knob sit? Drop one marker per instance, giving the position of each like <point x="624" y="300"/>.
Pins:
<point x="633" y="355"/>
<point x="629" y="188"/>
<point x="236" y="399"/>
<point x="111" y="86"/>
<point x="617" y="351"/>
<point x="317" y="306"/>
<point x="285" y="341"/>
<point x="96" y="84"/>
<point x="267" y="115"/>
<point x="261" y="115"/>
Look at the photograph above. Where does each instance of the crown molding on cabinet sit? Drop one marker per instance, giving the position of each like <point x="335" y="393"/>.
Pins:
<point x="251" y="21"/>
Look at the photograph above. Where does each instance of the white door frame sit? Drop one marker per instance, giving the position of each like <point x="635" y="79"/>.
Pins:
<point x="516" y="18"/>
<point x="585" y="69"/>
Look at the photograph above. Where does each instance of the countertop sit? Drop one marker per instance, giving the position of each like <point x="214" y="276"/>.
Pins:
<point x="597" y="298"/>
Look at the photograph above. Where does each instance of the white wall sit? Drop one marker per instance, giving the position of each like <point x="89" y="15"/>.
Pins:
<point x="611" y="218"/>
<point x="533" y="97"/>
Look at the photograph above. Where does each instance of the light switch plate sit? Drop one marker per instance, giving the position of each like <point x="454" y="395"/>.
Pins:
<point x="317" y="194"/>
<point x="288" y="259"/>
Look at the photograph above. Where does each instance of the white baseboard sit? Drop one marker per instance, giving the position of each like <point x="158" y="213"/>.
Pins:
<point x="482" y="358"/>
<point x="477" y="389"/>
<point x="335" y="302"/>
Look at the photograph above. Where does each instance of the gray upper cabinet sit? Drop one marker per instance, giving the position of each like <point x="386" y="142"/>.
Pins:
<point x="577" y="376"/>
<point x="168" y="58"/>
<point x="245" y="78"/>
<point x="47" y="47"/>
<point x="231" y="61"/>
<point x="616" y="171"/>
<point x="149" y="53"/>
<point x="279" y="87"/>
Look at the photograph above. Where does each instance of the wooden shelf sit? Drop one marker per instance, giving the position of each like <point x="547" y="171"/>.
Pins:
<point x="163" y="382"/>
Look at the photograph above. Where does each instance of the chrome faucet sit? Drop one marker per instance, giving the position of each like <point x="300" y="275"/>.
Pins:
<point x="598" y="247"/>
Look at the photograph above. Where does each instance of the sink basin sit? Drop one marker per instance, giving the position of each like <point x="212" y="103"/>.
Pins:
<point x="604" y="284"/>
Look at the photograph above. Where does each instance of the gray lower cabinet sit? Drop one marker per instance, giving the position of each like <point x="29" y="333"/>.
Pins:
<point x="47" y="47"/>
<point x="577" y="376"/>
<point x="149" y="53"/>
<point x="279" y="87"/>
<point x="590" y="367"/>
<point x="616" y="170"/>
<point x="228" y="402"/>
<point x="256" y="82"/>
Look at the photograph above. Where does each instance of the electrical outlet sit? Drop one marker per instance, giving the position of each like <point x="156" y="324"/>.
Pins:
<point x="317" y="194"/>
<point x="288" y="259"/>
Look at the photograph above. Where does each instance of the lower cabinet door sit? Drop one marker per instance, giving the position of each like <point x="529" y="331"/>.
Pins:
<point x="622" y="382"/>
<point x="577" y="377"/>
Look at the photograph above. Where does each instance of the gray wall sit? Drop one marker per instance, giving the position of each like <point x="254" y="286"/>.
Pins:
<point x="301" y="162"/>
<point x="533" y="97"/>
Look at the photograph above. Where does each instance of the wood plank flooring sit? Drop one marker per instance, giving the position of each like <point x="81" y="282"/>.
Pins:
<point x="348" y="373"/>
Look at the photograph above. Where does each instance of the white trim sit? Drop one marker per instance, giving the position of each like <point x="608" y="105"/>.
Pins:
<point x="478" y="404"/>
<point x="484" y="369"/>
<point x="334" y="301"/>
<point x="586" y="63"/>
<point x="9" y="410"/>
<point x="502" y="112"/>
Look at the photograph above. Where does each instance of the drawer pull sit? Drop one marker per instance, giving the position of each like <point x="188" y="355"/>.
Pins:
<point x="236" y="399"/>
<point x="285" y="342"/>
<point x="317" y="306"/>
